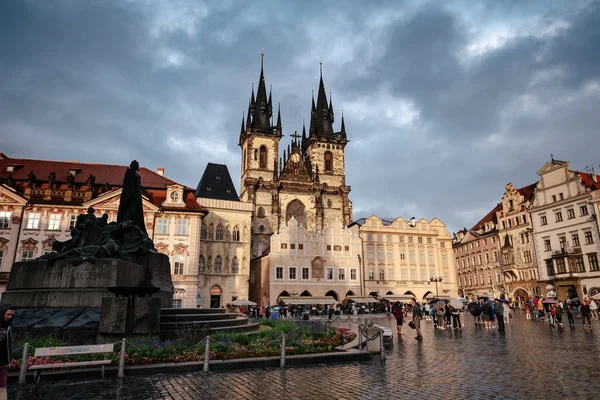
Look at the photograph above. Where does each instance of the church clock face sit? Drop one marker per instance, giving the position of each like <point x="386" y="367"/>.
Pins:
<point x="174" y="196"/>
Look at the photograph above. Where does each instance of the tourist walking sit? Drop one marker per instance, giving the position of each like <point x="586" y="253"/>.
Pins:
<point x="559" y="313"/>
<point x="507" y="313"/>
<point x="398" y="311"/>
<point x="416" y="318"/>
<point x="585" y="313"/>
<point x="455" y="317"/>
<point x="570" y="315"/>
<point x="499" y="311"/>
<point x="439" y="314"/>
<point x="594" y="309"/>
<point x="7" y="311"/>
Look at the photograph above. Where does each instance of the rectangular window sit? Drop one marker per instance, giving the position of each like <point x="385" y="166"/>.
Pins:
<point x="1" y="258"/>
<point x="583" y="210"/>
<point x="176" y="303"/>
<point x="479" y="259"/>
<point x="561" y="267"/>
<point x="442" y="244"/>
<point x="179" y="261"/>
<point x="391" y="274"/>
<point x="346" y="248"/>
<point x="402" y="255"/>
<point x="4" y="219"/>
<point x="487" y="258"/>
<point x="412" y="256"/>
<point x="423" y="275"/>
<point x="588" y="237"/>
<point x="579" y="265"/>
<point x="162" y="228"/>
<point x="329" y="274"/>
<point x="328" y="247"/>
<point x="575" y="239"/>
<point x="410" y="239"/>
<point x="446" y="276"/>
<point x="547" y="245"/>
<point x="428" y="240"/>
<point x="593" y="260"/>
<point x="380" y="254"/>
<point x="292" y="273"/>
<point x="380" y="238"/>
<point x="524" y="219"/>
<point x="562" y="242"/>
<point x="305" y="273"/>
<point x="401" y="239"/>
<point x="543" y="220"/>
<point x="279" y="273"/>
<point x="353" y="274"/>
<point x="485" y="242"/>
<point x="550" y="267"/>
<point x="390" y="255"/>
<point x="72" y="221"/>
<point x="430" y="256"/>
<point x="370" y="237"/>
<point x="420" y="239"/>
<point x="181" y="227"/>
<point x="570" y="213"/>
<point x="389" y="238"/>
<point x="558" y="216"/>
<point x="422" y="256"/>
<point x="370" y="253"/>
<point x="27" y="255"/>
<point x="293" y="246"/>
<point x="341" y="274"/>
<point x="371" y="274"/>
<point x="54" y="222"/>
<point x="553" y="197"/>
<point x="444" y="259"/>
<point x="33" y="221"/>
<point x="404" y="274"/>
<point x="413" y="274"/>
<point x="284" y="245"/>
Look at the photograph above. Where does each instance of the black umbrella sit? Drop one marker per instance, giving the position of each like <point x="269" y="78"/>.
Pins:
<point x="482" y="297"/>
<point x="474" y="308"/>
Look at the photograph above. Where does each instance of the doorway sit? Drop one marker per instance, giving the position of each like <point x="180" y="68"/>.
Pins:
<point x="215" y="297"/>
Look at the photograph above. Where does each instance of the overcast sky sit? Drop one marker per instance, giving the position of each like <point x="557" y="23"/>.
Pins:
<point x="445" y="102"/>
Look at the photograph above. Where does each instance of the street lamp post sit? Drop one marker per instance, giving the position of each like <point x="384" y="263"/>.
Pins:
<point x="435" y="279"/>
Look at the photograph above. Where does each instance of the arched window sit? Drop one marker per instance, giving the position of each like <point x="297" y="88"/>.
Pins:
<point x="203" y="232"/>
<point x="263" y="157"/>
<point x="218" y="265"/>
<point x="296" y="209"/>
<point x="261" y="212"/>
<point x="201" y="264"/>
<point x="261" y="228"/>
<point x="219" y="235"/>
<point x="328" y="161"/>
<point x="235" y="266"/>
<point x="236" y="234"/>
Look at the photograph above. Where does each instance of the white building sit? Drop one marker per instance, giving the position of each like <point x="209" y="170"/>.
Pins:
<point x="565" y="230"/>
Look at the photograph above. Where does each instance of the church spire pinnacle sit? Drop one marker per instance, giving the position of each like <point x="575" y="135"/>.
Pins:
<point x="262" y="113"/>
<point x="323" y="120"/>
<point x="343" y="130"/>
<point x="279" y="115"/>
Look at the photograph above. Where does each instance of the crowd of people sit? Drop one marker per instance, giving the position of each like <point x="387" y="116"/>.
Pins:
<point x="553" y="311"/>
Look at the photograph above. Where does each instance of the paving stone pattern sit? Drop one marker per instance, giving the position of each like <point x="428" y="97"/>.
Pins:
<point x="531" y="361"/>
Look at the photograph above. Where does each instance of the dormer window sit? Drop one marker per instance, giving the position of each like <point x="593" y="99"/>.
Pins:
<point x="174" y="197"/>
<point x="10" y="168"/>
<point x="72" y="172"/>
<point x="217" y="177"/>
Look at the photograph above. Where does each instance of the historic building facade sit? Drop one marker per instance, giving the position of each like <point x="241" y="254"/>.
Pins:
<point x="308" y="263"/>
<point x="477" y="256"/>
<point x="224" y="261"/>
<point x="515" y="231"/>
<point x="565" y="230"/>
<point x="40" y="201"/>
<point x="308" y="183"/>
<point x="404" y="257"/>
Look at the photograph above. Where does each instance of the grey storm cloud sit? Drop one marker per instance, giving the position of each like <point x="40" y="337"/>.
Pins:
<point x="444" y="103"/>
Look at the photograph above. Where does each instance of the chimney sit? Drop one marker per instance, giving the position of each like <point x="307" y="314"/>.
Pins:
<point x="161" y="171"/>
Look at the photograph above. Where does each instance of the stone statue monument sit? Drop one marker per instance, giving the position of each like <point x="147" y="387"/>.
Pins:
<point x="130" y="207"/>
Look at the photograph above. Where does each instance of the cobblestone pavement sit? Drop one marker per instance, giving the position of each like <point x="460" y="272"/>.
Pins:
<point x="530" y="361"/>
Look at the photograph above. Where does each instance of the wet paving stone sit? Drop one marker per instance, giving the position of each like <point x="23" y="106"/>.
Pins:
<point x="530" y="361"/>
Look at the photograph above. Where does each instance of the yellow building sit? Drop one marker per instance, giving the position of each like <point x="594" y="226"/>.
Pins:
<point x="405" y="257"/>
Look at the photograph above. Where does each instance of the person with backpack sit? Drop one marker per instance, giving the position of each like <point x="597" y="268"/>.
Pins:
<point x="398" y="311"/>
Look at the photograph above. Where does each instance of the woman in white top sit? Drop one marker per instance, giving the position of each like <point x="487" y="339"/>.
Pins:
<point x="594" y="309"/>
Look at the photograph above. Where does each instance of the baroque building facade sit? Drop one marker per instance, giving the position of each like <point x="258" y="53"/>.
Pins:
<point x="40" y="201"/>
<point x="224" y="263"/>
<point x="565" y="230"/>
<point x="404" y="257"/>
<point x="308" y="263"/>
<point x="515" y="231"/>
<point x="477" y="256"/>
<point x="308" y="183"/>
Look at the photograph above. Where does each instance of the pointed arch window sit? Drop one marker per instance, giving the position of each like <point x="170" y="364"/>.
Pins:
<point x="236" y="234"/>
<point x="203" y="232"/>
<point x="235" y="266"/>
<point x="201" y="264"/>
<point x="219" y="235"/>
<point x="328" y="161"/>
<point x="218" y="265"/>
<point x="261" y="212"/>
<point x="263" y="157"/>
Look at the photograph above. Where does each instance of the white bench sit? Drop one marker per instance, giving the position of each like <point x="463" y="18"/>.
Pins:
<point x="68" y="351"/>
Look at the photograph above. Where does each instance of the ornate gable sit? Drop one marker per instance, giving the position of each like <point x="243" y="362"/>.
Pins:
<point x="112" y="199"/>
<point x="8" y="196"/>
<point x="297" y="167"/>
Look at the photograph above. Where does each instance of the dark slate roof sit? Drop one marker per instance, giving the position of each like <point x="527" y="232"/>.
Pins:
<point x="216" y="183"/>
<point x="384" y="221"/>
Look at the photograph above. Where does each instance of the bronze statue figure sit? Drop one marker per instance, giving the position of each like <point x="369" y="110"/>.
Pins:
<point x="70" y="180"/>
<point x="32" y="179"/>
<point x="51" y="180"/>
<point x="130" y="207"/>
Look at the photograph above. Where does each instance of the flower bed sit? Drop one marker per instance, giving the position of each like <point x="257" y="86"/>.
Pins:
<point x="302" y="337"/>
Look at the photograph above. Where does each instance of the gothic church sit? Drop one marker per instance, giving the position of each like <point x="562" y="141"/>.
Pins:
<point x="308" y="183"/>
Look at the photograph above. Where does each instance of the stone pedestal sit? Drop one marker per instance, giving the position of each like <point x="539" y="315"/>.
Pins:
<point x="113" y="315"/>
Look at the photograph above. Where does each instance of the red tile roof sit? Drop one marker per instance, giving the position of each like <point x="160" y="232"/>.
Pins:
<point x="490" y="217"/>
<point x="587" y="180"/>
<point x="527" y="191"/>
<point x="154" y="184"/>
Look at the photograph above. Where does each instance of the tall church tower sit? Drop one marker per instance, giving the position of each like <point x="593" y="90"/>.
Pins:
<point x="308" y="183"/>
